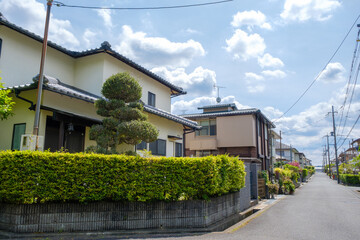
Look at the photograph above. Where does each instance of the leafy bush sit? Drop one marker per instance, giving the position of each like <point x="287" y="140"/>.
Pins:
<point x="312" y="169"/>
<point x="304" y="173"/>
<point x="351" y="179"/>
<point x="38" y="177"/>
<point x="288" y="185"/>
<point x="264" y="174"/>
<point x="273" y="188"/>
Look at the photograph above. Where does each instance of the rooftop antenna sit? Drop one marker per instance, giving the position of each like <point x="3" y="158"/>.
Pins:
<point x="218" y="99"/>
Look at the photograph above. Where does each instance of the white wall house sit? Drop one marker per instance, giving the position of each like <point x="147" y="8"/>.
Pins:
<point x="73" y="81"/>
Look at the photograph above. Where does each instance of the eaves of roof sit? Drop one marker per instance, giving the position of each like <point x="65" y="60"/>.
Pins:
<point x="57" y="86"/>
<point x="249" y="111"/>
<point x="105" y="48"/>
<point x="219" y="106"/>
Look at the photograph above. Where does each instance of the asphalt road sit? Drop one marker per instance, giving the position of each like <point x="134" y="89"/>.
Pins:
<point x="321" y="209"/>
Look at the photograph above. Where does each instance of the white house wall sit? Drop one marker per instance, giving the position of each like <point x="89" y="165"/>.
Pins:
<point x="20" y="60"/>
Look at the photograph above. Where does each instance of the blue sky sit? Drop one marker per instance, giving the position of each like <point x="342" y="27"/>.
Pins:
<point x="265" y="53"/>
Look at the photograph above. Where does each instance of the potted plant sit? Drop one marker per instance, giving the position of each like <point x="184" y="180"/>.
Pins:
<point x="273" y="189"/>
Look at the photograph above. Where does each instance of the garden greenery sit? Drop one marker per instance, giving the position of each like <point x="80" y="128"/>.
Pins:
<point x="350" y="179"/>
<point x="38" y="177"/>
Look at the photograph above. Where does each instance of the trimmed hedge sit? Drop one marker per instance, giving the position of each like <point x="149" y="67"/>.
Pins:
<point x="351" y="179"/>
<point x="37" y="177"/>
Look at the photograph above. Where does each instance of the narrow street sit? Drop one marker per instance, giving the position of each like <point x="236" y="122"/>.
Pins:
<point x="321" y="209"/>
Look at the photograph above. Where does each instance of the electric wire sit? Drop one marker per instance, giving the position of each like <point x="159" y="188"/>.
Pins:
<point x="316" y="78"/>
<point x="349" y="132"/>
<point x="60" y="4"/>
<point x="353" y="63"/>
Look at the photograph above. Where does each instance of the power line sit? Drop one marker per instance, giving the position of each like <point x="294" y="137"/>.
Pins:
<point x="60" y="4"/>
<point x="350" y="131"/>
<point x="316" y="78"/>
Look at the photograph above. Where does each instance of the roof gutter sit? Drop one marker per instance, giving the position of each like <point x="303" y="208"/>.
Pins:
<point x="32" y="107"/>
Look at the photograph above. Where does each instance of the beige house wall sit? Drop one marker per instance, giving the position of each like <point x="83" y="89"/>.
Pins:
<point x="167" y="127"/>
<point x="26" y="53"/>
<point x="231" y="131"/>
<point x="236" y="131"/>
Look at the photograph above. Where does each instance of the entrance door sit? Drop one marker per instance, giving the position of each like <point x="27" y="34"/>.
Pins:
<point x="52" y="135"/>
<point x="74" y="140"/>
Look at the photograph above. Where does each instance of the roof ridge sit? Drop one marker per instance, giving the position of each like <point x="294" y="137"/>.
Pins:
<point x="105" y="47"/>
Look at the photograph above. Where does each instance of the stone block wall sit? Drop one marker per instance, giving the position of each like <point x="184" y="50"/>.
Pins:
<point x="106" y="216"/>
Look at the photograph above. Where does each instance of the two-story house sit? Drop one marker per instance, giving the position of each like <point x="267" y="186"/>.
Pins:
<point x="238" y="132"/>
<point x="226" y="129"/>
<point x="72" y="84"/>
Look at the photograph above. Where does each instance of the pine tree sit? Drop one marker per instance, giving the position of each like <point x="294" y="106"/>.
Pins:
<point x="124" y="120"/>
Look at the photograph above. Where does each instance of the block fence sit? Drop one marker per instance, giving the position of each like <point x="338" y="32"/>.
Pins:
<point x="106" y="216"/>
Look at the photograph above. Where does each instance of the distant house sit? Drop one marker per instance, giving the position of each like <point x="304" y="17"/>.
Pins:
<point x="238" y="132"/>
<point x="73" y="81"/>
<point x="226" y="129"/>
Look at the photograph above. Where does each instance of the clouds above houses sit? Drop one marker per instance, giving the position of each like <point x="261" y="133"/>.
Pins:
<point x="31" y="15"/>
<point x="269" y="61"/>
<point x="333" y="73"/>
<point x="301" y="11"/>
<point x="105" y="15"/>
<point x="157" y="51"/>
<point x="200" y="82"/>
<point x="191" y="106"/>
<point x="245" y="46"/>
<point x="250" y="19"/>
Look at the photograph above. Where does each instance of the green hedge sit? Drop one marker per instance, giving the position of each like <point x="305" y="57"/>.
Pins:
<point x="38" y="177"/>
<point x="352" y="179"/>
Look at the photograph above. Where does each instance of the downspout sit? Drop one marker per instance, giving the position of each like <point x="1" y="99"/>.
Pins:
<point x="184" y="133"/>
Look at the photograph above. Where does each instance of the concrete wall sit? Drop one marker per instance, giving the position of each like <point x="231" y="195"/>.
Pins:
<point x="104" y="216"/>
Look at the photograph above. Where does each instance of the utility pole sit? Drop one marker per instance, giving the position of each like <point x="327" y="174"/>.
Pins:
<point x="328" y="153"/>
<point x="41" y="74"/>
<point x="336" y="158"/>
<point x="280" y="148"/>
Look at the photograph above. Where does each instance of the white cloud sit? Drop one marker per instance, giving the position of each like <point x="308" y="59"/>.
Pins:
<point x="89" y="37"/>
<point x="245" y="46"/>
<point x="200" y="82"/>
<point x="258" y="88"/>
<point x="269" y="61"/>
<point x="254" y="82"/>
<point x="253" y="76"/>
<point x="105" y="14"/>
<point x="274" y="74"/>
<point x="31" y="15"/>
<point x="333" y="73"/>
<point x="188" y="107"/>
<point x="156" y="51"/>
<point x="250" y="18"/>
<point x="320" y="10"/>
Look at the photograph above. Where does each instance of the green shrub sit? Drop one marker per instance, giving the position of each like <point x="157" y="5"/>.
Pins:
<point x="304" y="173"/>
<point x="288" y="185"/>
<point x="38" y="177"/>
<point x="273" y="188"/>
<point x="351" y="179"/>
<point x="264" y="174"/>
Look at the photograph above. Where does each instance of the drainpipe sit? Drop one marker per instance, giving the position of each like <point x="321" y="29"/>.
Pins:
<point x="32" y="107"/>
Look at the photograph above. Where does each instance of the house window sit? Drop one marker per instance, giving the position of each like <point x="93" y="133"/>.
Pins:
<point x="141" y="146"/>
<point x="19" y="129"/>
<point x="158" y="147"/>
<point x="208" y="128"/>
<point x="178" y="150"/>
<point x="151" y="99"/>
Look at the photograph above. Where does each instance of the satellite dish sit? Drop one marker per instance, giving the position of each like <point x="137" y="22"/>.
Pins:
<point x="218" y="99"/>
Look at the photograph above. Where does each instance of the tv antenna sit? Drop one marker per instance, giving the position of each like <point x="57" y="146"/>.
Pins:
<point x="218" y="99"/>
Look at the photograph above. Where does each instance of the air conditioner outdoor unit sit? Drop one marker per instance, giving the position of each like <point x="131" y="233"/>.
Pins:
<point x="28" y="142"/>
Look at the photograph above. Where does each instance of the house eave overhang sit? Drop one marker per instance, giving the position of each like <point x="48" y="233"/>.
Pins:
<point x="105" y="48"/>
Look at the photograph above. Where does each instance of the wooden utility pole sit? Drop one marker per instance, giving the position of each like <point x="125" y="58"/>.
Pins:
<point x="41" y="73"/>
<point x="335" y="146"/>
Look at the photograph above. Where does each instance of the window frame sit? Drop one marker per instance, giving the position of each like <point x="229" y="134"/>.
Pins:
<point x="140" y="146"/>
<point x="12" y="139"/>
<point x="156" y="144"/>
<point x="178" y="149"/>
<point x="209" y="128"/>
<point x="151" y="99"/>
